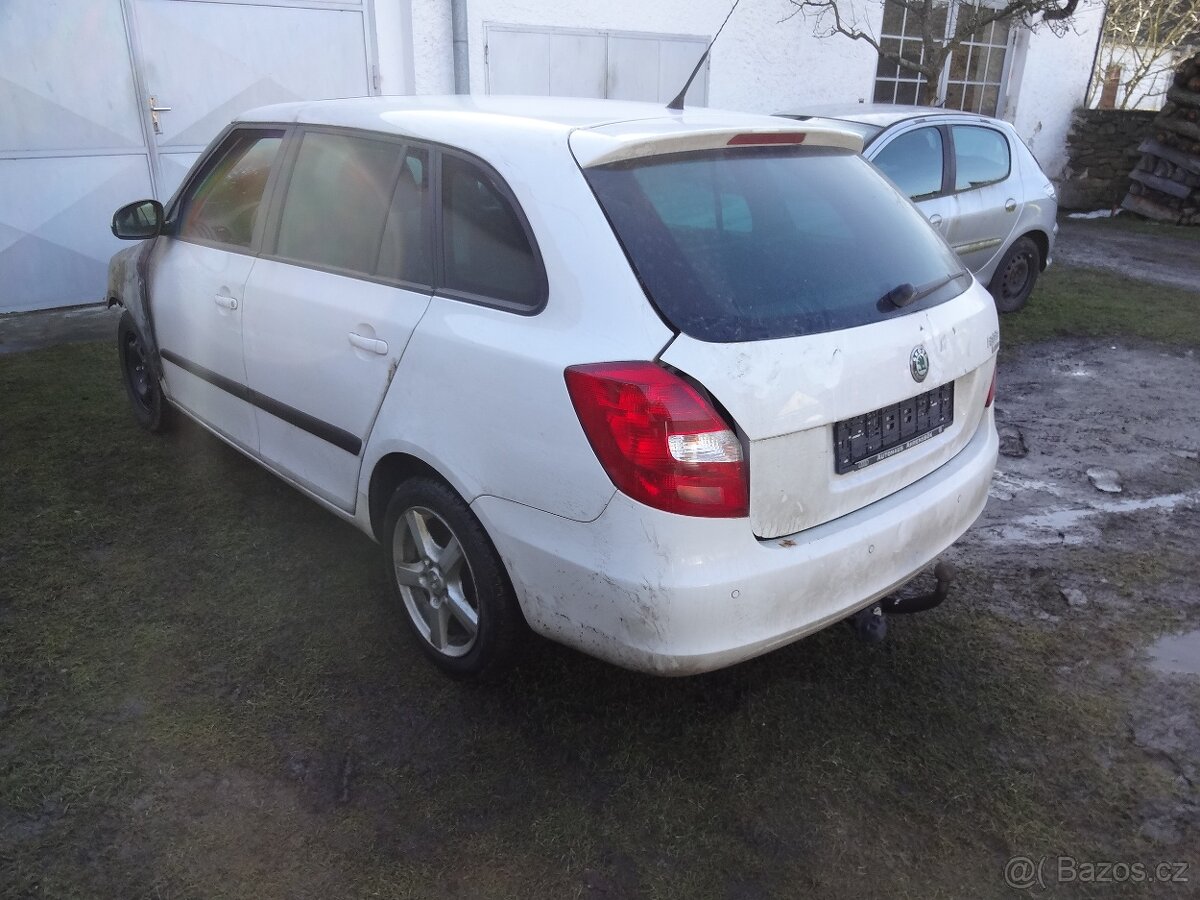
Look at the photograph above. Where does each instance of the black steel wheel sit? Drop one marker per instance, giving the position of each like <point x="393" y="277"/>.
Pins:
<point x="1016" y="275"/>
<point x="150" y="407"/>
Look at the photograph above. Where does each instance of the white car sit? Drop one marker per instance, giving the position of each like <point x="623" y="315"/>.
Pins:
<point x="673" y="388"/>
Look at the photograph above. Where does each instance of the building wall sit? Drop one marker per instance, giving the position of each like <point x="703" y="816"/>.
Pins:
<point x="1151" y="92"/>
<point x="768" y="60"/>
<point x="1053" y="83"/>
<point x="764" y="61"/>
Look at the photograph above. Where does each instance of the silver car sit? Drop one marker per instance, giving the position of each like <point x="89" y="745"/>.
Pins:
<point x="973" y="178"/>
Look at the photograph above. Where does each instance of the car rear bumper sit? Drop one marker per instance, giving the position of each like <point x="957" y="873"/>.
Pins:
<point x="674" y="595"/>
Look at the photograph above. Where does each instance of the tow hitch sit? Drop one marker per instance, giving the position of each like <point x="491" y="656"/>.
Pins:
<point x="870" y="624"/>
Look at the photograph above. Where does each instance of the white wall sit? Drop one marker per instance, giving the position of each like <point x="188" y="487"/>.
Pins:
<point x="1053" y="78"/>
<point x="768" y="62"/>
<point x="393" y="27"/>
<point x="764" y="62"/>
<point x="1151" y="92"/>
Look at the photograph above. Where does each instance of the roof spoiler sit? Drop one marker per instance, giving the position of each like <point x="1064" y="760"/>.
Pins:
<point x="594" y="147"/>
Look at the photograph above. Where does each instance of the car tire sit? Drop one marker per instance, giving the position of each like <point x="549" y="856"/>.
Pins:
<point x="458" y="603"/>
<point x="150" y="406"/>
<point x="1016" y="275"/>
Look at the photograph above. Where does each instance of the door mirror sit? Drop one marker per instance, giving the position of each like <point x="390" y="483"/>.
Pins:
<point x="138" y="221"/>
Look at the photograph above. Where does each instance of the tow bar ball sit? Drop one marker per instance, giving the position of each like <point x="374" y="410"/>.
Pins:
<point x="870" y="624"/>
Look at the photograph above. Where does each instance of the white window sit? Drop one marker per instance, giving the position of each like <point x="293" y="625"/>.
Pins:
<point x="974" y="75"/>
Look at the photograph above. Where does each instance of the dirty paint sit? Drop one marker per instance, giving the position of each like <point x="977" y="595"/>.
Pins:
<point x="128" y="286"/>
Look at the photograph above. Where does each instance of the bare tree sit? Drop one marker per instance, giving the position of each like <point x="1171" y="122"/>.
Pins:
<point x="847" y="18"/>
<point x="1140" y="38"/>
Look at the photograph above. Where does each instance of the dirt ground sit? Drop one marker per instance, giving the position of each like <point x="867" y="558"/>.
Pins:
<point x="1098" y="560"/>
<point x="1159" y="258"/>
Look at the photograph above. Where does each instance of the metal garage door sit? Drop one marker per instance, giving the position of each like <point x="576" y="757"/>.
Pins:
<point x="78" y="138"/>
<point x="565" y="62"/>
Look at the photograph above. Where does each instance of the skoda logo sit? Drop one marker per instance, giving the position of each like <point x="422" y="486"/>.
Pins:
<point x="918" y="363"/>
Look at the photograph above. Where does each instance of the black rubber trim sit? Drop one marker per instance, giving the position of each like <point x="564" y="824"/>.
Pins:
<point x="339" y="437"/>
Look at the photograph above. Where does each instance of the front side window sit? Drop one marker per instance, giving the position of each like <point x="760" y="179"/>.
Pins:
<point x="223" y="205"/>
<point x="914" y="161"/>
<point x="337" y="199"/>
<point x="762" y="243"/>
<point x="981" y="156"/>
<point x="488" y="252"/>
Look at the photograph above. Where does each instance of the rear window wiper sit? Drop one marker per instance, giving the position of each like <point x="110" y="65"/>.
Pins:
<point x="905" y="293"/>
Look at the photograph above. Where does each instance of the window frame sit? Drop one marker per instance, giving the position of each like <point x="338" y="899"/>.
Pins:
<point x="903" y="77"/>
<point x="213" y="156"/>
<point x="274" y="221"/>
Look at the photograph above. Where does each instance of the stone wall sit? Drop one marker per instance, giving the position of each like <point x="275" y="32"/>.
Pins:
<point x="1101" y="152"/>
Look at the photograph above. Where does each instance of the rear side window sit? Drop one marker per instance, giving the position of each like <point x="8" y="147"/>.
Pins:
<point x="914" y="162"/>
<point x="488" y="252"/>
<point x="981" y="156"/>
<point x="223" y="205"/>
<point x="337" y="200"/>
<point x="406" y="251"/>
<point x="753" y="243"/>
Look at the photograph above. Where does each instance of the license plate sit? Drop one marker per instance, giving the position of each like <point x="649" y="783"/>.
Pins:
<point x="862" y="440"/>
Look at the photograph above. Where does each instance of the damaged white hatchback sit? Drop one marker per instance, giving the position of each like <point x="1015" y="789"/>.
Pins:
<point x="672" y="388"/>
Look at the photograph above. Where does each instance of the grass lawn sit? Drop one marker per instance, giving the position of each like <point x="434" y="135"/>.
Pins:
<point x="205" y="692"/>
<point x="1070" y="302"/>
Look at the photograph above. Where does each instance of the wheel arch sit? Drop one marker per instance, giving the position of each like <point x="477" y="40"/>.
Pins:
<point x="1042" y="240"/>
<point x="389" y="471"/>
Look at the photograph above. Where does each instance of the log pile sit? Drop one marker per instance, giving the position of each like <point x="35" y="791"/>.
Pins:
<point x="1165" y="184"/>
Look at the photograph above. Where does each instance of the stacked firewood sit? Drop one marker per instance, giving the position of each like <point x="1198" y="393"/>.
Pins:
<point x="1165" y="184"/>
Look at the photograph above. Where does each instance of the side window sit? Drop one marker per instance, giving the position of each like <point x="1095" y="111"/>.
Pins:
<point x="223" y="205"/>
<point x="981" y="156"/>
<point x="914" y="162"/>
<point x="487" y="251"/>
<point x="406" y="252"/>
<point x="337" y="199"/>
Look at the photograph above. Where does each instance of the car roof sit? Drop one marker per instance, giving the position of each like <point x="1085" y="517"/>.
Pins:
<point x="882" y="115"/>
<point x="499" y="113"/>
<point x="615" y="129"/>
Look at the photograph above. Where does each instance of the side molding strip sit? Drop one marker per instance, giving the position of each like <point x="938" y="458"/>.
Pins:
<point x="339" y="437"/>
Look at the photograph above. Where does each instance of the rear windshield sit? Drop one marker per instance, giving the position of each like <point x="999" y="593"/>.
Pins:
<point x="758" y="243"/>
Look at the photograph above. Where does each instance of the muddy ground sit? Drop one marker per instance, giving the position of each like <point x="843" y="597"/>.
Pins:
<point x="1162" y="255"/>
<point x="1092" y="523"/>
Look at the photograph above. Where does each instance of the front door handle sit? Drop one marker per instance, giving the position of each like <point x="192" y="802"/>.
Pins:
<point x="371" y="345"/>
<point x="935" y="220"/>
<point x="1010" y="204"/>
<point x="225" y="302"/>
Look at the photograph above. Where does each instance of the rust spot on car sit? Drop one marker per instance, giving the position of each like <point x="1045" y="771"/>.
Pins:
<point x="787" y="542"/>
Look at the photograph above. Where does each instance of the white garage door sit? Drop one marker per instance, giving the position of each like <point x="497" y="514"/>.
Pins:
<point x="78" y="139"/>
<point x="564" y="62"/>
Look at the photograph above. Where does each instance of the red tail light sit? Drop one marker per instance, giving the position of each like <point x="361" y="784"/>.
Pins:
<point x="991" y="391"/>
<point x="659" y="441"/>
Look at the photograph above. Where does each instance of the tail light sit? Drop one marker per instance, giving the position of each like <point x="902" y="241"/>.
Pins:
<point x="991" y="391"/>
<point x="659" y="441"/>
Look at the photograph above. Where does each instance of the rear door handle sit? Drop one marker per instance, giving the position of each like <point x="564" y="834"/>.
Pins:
<point x="371" y="345"/>
<point x="225" y="302"/>
<point x="1010" y="204"/>
<point x="935" y="220"/>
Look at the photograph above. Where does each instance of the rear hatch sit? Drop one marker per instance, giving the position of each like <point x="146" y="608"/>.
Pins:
<point x="813" y="303"/>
